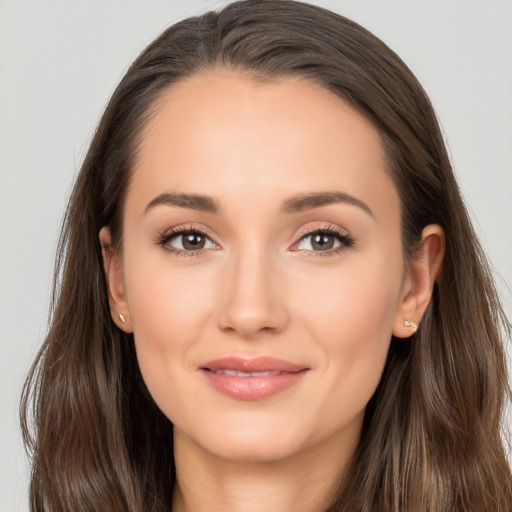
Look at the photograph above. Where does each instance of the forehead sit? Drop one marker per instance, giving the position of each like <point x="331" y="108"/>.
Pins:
<point x="224" y="133"/>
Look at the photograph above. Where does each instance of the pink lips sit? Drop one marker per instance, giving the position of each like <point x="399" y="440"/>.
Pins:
<point x="252" y="379"/>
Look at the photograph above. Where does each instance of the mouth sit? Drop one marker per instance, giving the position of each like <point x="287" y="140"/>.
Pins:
<point x="252" y="379"/>
<point x="234" y="373"/>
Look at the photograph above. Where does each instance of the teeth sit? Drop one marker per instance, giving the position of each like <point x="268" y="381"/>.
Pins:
<point x="234" y="373"/>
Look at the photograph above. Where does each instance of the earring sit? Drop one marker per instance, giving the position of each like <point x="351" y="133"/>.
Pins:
<point x="122" y="318"/>
<point x="411" y="325"/>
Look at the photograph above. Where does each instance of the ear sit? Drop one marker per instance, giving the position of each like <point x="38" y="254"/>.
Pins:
<point x="424" y="270"/>
<point x="113" y="269"/>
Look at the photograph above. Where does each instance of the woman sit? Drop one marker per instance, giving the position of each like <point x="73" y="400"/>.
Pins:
<point x="269" y="295"/>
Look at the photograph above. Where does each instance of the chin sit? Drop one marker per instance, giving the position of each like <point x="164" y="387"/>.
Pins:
<point x="252" y="440"/>
<point x="255" y="449"/>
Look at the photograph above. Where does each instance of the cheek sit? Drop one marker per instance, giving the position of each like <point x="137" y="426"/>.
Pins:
<point x="359" y="298"/>
<point x="166" y="297"/>
<point x="163" y="302"/>
<point x="168" y="309"/>
<point x="351" y="320"/>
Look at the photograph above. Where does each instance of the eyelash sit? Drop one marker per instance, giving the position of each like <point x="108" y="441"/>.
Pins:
<point x="164" y="239"/>
<point x="346" y="241"/>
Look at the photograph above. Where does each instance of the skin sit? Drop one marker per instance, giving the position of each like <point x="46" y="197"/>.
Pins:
<point x="260" y="287"/>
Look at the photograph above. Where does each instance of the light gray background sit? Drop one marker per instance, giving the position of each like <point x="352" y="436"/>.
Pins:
<point x="59" y="63"/>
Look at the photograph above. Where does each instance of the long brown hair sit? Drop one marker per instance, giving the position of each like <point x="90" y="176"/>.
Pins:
<point x="431" y="439"/>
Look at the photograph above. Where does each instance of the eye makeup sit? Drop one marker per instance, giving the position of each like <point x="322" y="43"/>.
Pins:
<point x="185" y="234"/>
<point x="334" y="239"/>
<point x="344" y="240"/>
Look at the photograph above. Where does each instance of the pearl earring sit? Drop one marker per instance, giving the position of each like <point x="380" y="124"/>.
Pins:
<point x="411" y="325"/>
<point x="122" y="318"/>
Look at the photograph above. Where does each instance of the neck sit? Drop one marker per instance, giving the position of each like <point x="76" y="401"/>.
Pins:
<point x="305" y="482"/>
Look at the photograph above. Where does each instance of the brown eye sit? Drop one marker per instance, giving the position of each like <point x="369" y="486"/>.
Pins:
<point x="192" y="241"/>
<point x="186" y="242"/>
<point x="322" y="242"/>
<point x="328" y="241"/>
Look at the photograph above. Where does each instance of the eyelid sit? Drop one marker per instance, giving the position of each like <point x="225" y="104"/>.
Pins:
<point x="343" y="236"/>
<point x="320" y="229"/>
<point x="163" y="238"/>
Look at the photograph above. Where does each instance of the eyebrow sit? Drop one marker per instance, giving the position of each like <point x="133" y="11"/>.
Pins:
<point x="308" y="201"/>
<point x="294" y="204"/>
<point x="192" y="201"/>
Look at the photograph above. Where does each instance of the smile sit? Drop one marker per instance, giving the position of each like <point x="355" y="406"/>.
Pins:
<point x="234" y="373"/>
<point x="252" y="379"/>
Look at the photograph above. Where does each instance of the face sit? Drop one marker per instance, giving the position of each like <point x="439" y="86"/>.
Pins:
<point x="262" y="271"/>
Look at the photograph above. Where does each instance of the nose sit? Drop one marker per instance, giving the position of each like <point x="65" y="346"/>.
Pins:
<point x="251" y="300"/>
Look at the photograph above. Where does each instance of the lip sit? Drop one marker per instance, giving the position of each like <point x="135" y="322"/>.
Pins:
<point x="252" y="379"/>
